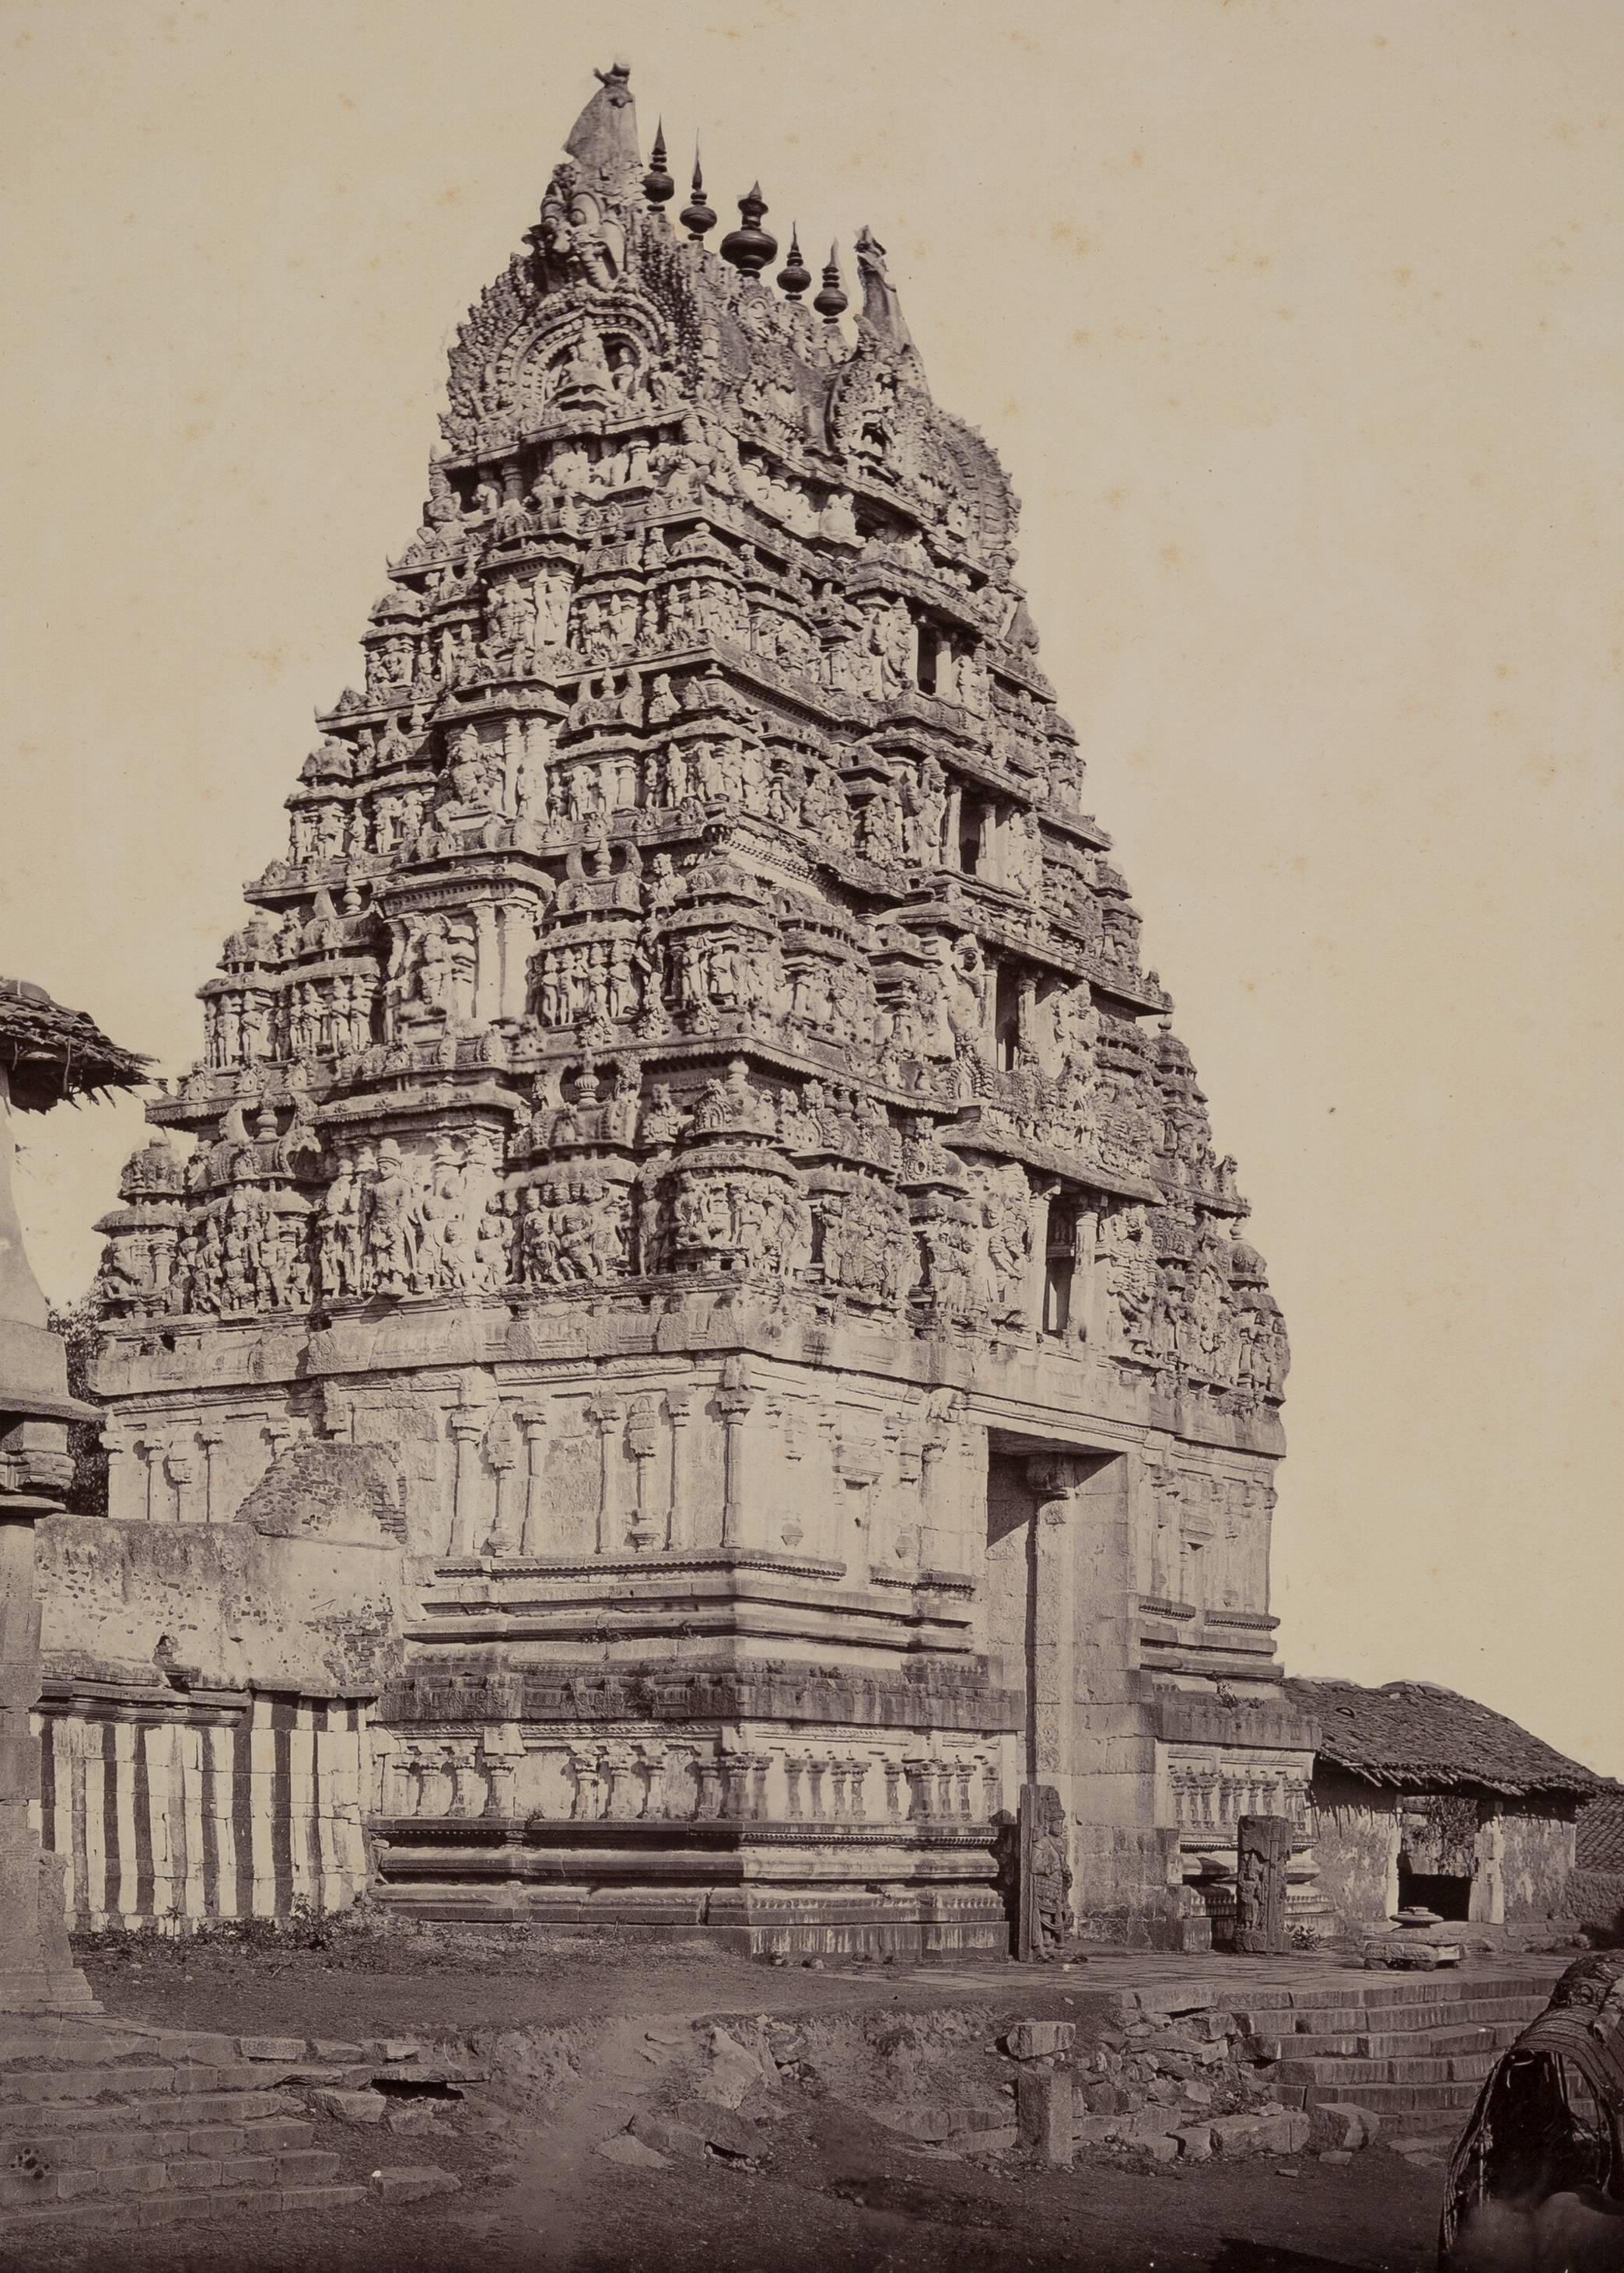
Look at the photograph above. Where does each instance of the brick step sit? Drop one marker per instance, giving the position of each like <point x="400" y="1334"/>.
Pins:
<point x="168" y="2206"/>
<point x="1466" y="2067"/>
<point x="165" y="2112"/>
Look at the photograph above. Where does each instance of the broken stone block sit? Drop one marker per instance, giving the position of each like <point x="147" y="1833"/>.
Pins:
<point x="624" y="2149"/>
<point x="352" y="2107"/>
<point x="1195" y="2143"/>
<point x="415" y="2118"/>
<point x="1335" y="2155"/>
<point x="271" y="2048"/>
<point x="414" y="2182"/>
<point x="1162" y="2150"/>
<point x="1044" y="2113"/>
<point x="1236" y="2135"/>
<point x="914" y="2120"/>
<point x="326" y="2049"/>
<point x="1040" y="2039"/>
<point x="721" y="2128"/>
<point x="1285" y="2134"/>
<point x="1197" y="2095"/>
<point x="1338" y="2123"/>
<point x="667" y="2136"/>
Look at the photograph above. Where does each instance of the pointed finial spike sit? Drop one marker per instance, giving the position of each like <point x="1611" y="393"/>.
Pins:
<point x="696" y="217"/>
<point x="658" y="184"/>
<point x="750" y="246"/>
<point x="831" y="301"/>
<point x="795" y="275"/>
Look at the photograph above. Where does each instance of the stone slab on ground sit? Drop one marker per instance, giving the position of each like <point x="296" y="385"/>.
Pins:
<point x="409" y="2182"/>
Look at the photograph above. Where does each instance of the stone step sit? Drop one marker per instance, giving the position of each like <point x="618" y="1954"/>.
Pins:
<point x="164" y="2113"/>
<point x="168" y="2205"/>
<point x="1364" y="1991"/>
<point x="137" y="2082"/>
<point x="40" y="2083"/>
<point x="1404" y="2019"/>
<point x="1404" y="2098"/>
<point x="195" y="2174"/>
<point x="1464" y="2067"/>
<point x="1434" y="2043"/>
<point x="93" y="2146"/>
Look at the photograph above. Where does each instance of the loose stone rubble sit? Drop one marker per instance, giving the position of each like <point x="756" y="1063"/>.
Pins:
<point x="691" y="1189"/>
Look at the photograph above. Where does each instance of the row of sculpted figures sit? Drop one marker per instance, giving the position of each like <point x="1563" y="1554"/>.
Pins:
<point x="452" y="1217"/>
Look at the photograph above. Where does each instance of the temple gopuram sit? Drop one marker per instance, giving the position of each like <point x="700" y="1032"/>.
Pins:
<point x="698" y="1340"/>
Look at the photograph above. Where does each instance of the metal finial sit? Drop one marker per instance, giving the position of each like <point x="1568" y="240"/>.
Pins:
<point x="795" y="275"/>
<point x="697" y="216"/>
<point x="831" y="301"/>
<point x="750" y="246"/>
<point x="658" y="186"/>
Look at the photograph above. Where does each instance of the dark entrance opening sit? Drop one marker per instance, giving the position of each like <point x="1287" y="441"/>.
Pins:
<point x="1444" y="1892"/>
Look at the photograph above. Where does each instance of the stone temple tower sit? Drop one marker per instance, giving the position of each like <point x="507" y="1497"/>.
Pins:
<point x="685" y="1114"/>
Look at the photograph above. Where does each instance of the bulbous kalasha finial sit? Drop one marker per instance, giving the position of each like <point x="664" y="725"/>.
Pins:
<point x="696" y="217"/>
<point x="831" y="301"/>
<point x="658" y="185"/>
<point x="750" y="247"/>
<point x="795" y="275"/>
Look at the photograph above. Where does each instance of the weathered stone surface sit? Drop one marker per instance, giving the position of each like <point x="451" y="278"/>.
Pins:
<point x="1339" y="2123"/>
<point x="352" y="2107"/>
<point x="623" y="2148"/>
<point x="285" y="2049"/>
<point x="667" y="2136"/>
<point x="722" y="2127"/>
<point x="406" y="2182"/>
<point x="1195" y="2143"/>
<point x="1040" y="2039"/>
<point x="1044" y="2113"/>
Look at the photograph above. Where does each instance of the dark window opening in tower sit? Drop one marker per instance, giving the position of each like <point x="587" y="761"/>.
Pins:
<point x="1060" y="1264"/>
<point x="927" y="659"/>
<point x="972" y="816"/>
<point x="1007" y="1022"/>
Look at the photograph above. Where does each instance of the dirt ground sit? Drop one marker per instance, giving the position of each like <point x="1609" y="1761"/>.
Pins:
<point x="829" y="2191"/>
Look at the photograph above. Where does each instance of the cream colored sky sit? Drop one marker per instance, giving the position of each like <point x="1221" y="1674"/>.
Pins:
<point x="1297" y="328"/>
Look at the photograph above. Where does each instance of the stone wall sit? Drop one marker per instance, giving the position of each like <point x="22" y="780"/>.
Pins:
<point x="1519" y="1854"/>
<point x="169" y="1813"/>
<point x="1536" y="1860"/>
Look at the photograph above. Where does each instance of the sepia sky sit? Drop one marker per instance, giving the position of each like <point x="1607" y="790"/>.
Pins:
<point x="1297" y="328"/>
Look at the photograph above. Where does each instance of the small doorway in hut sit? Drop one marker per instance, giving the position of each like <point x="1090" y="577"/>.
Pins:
<point x="1437" y="1852"/>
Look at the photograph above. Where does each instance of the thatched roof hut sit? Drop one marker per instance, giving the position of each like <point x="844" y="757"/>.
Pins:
<point x="51" y="1053"/>
<point x="1413" y="1736"/>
